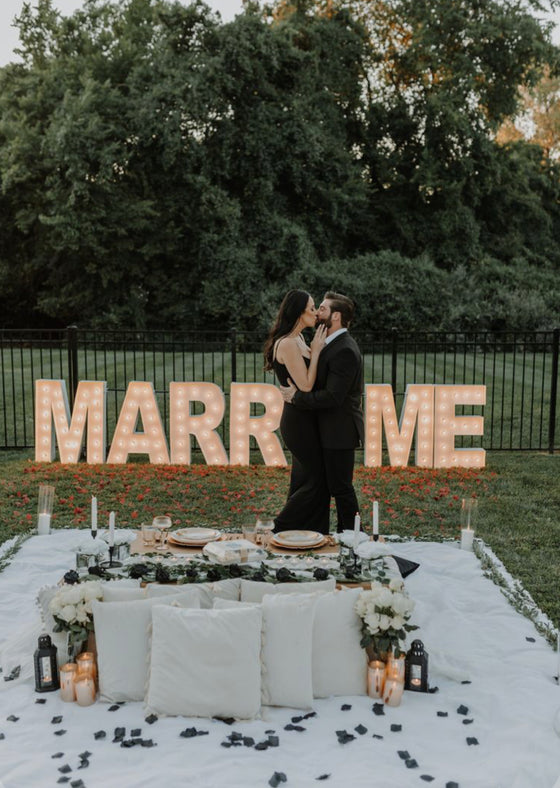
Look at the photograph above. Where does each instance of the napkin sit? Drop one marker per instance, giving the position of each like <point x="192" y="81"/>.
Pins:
<point x="238" y="551"/>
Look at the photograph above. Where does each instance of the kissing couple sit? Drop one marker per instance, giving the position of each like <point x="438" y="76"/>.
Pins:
<point x="322" y="421"/>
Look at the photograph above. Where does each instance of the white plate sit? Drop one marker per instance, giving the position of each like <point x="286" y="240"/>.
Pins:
<point x="298" y="538"/>
<point x="187" y="535"/>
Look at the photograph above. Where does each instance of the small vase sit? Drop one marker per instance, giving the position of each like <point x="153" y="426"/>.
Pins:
<point x="374" y="655"/>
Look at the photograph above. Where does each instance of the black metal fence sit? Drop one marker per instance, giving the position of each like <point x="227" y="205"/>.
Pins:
<point x="519" y="369"/>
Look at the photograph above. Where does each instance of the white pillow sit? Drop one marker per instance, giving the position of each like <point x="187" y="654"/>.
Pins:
<point x="114" y="592"/>
<point x="252" y="591"/>
<point x="224" y="589"/>
<point x="205" y="663"/>
<point x="122" y="641"/>
<point x="287" y="635"/>
<point x="339" y="662"/>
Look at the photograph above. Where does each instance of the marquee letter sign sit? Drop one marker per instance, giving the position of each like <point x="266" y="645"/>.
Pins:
<point x="428" y="414"/>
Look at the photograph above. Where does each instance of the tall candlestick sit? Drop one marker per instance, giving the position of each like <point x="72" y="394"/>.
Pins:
<point x="44" y="523"/>
<point x="375" y="531"/>
<point x="111" y="529"/>
<point x="356" y="530"/>
<point x="94" y="516"/>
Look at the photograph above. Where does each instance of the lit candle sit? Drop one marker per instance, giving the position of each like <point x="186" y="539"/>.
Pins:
<point x="94" y="516"/>
<point x="67" y="673"/>
<point x="376" y="678"/>
<point x="85" y="691"/>
<point x="375" y="530"/>
<point x="395" y="668"/>
<point x="356" y="530"/>
<point x="467" y="537"/>
<point x="392" y="692"/>
<point x="86" y="665"/>
<point x="43" y="523"/>
<point x="111" y="529"/>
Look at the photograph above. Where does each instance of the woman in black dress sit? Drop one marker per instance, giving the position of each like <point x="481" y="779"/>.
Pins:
<point x="287" y="353"/>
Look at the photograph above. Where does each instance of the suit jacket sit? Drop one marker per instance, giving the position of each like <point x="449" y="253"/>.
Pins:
<point x="337" y="394"/>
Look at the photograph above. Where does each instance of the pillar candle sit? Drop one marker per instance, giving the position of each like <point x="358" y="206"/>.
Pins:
<point x="44" y="523"/>
<point x="467" y="537"/>
<point x="85" y="690"/>
<point x="67" y="673"/>
<point x="356" y="530"/>
<point x="376" y="678"/>
<point x="375" y="530"/>
<point x="392" y="692"/>
<point x="111" y="529"/>
<point x="94" y="513"/>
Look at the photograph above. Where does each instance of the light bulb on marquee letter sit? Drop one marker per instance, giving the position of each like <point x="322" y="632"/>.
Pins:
<point x="241" y="397"/>
<point x="183" y="424"/>
<point x="140" y="399"/>
<point x="52" y="418"/>
<point x="448" y="424"/>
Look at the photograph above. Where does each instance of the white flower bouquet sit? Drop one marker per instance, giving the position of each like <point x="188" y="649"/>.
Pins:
<point x="385" y="611"/>
<point x="71" y="609"/>
<point x="96" y="547"/>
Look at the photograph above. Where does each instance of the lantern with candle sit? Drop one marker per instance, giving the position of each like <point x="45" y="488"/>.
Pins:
<point x="46" y="665"/>
<point x="416" y="668"/>
<point x="45" y="509"/>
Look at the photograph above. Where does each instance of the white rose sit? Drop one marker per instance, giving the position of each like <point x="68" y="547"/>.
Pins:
<point x="72" y="595"/>
<point x="397" y="622"/>
<point x="88" y="608"/>
<point x="400" y="604"/>
<point x="54" y="606"/>
<point x="385" y="598"/>
<point x="92" y="590"/>
<point x="81" y="614"/>
<point x="372" y="622"/>
<point x="376" y="586"/>
<point x="384" y="622"/>
<point x="68" y="613"/>
<point x="396" y="585"/>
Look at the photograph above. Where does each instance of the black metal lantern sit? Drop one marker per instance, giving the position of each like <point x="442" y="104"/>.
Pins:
<point x="46" y="666"/>
<point x="416" y="668"/>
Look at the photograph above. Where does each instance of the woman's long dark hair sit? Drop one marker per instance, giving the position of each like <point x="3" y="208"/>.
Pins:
<point x="292" y="307"/>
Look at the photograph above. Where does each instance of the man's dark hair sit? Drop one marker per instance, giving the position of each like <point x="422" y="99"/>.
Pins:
<point x="344" y="305"/>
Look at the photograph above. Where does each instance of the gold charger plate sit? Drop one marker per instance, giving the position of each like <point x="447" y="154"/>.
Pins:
<point x="192" y="543"/>
<point x="298" y="543"/>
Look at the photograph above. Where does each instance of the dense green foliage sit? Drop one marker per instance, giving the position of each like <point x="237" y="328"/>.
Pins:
<point x="159" y="167"/>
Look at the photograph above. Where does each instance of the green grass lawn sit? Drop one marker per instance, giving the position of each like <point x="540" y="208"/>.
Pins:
<point x="518" y="493"/>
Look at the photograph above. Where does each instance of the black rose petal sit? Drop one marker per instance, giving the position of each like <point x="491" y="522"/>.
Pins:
<point x="65" y="769"/>
<point x="404" y="754"/>
<point x="248" y="741"/>
<point x="467" y="721"/>
<point x="433" y="690"/>
<point x="291" y="727"/>
<point x="344" y="737"/>
<point x="452" y="785"/>
<point x="114" y="707"/>
<point x="188" y="733"/>
<point x="128" y="743"/>
<point x="396" y="728"/>
<point x="12" y="718"/>
<point x="462" y="709"/>
<point x="119" y="734"/>
<point x="99" y="735"/>
<point x="443" y="714"/>
<point x="147" y="743"/>
<point x="271" y="731"/>
<point x="57" y="720"/>
<point x="297" y="719"/>
<point x="427" y="778"/>
<point x="262" y="745"/>
<point x="63" y="780"/>
<point x="320" y="573"/>
<point x="530" y="640"/>
<point x="61" y="732"/>
<point x="323" y="777"/>
<point x="235" y="736"/>
<point x="472" y="740"/>
<point x="361" y="729"/>
<point x="2" y="736"/>
<point x="41" y="700"/>
<point x="345" y="707"/>
<point x="273" y="741"/>
<point x="226" y="744"/>
<point x="226" y="720"/>
<point x="466" y="681"/>
<point x="309" y="715"/>
<point x="14" y="674"/>
<point x="71" y="577"/>
<point x="84" y="755"/>
<point x="151" y="719"/>
<point x="136" y="732"/>
<point x="77" y="784"/>
<point x="58" y="755"/>
<point x="411" y="763"/>
<point x="378" y="709"/>
<point x="376" y="736"/>
<point x="84" y="764"/>
<point x="276" y="779"/>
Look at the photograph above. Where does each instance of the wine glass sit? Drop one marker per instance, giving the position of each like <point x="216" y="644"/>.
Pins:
<point x="162" y="523"/>
<point x="264" y="527"/>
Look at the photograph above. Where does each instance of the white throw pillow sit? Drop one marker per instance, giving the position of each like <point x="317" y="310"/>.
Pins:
<point x="205" y="663"/>
<point x="287" y="636"/>
<point x="339" y="662"/>
<point x="122" y="640"/>
<point x="115" y="592"/>
<point x="224" y="589"/>
<point x="252" y="591"/>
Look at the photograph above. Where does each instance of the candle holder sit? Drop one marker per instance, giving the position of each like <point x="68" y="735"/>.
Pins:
<point x="45" y="508"/>
<point x="111" y="564"/>
<point x="67" y="676"/>
<point x="375" y="678"/>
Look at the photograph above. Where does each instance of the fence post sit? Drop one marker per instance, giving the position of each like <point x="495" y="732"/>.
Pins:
<point x="553" y="389"/>
<point x="233" y="355"/>
<point x="72" y="344"/>
<point x="394" y="361"/>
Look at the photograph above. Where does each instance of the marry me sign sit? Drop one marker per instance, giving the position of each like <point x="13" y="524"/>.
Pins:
<point x="429" y="412"/>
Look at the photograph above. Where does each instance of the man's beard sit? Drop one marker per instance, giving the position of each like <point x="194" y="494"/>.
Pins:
<point x="327" y="322"/>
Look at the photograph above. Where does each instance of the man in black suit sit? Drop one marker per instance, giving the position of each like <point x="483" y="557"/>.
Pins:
<point x="336" y="399"/>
